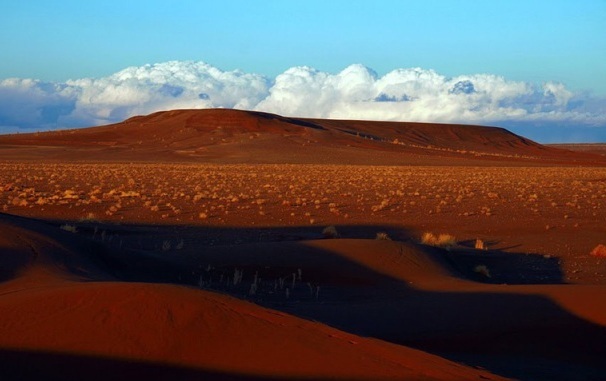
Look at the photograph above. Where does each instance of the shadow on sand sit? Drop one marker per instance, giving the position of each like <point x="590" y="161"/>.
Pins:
<point x="509" y="332"/>
<point x="50" y="366"/>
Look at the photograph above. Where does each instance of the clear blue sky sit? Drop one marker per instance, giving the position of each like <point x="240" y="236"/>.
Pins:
<point x="527" y="40"/>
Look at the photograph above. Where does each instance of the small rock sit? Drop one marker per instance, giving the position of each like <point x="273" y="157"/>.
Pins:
<point x="599" y="251"/>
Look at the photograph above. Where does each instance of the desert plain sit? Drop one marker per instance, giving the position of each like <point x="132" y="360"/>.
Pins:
<point x="226" y="244"/>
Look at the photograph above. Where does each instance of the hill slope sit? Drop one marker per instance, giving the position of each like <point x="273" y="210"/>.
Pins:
<point x="235" y="136"/>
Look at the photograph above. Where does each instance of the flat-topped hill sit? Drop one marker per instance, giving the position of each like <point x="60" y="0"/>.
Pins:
<point x="236" y="136"/>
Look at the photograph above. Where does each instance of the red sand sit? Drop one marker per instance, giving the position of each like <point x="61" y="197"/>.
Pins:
<point x="49" y="306"/>
<point x="186" y="266"/>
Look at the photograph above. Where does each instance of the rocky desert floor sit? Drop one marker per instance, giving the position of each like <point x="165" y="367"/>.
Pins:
<point x="551" y="213"/>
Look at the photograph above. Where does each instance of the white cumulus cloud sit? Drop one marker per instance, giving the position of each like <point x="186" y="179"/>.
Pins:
<point x="357" y="92"/>
<point x="170" y="85"/>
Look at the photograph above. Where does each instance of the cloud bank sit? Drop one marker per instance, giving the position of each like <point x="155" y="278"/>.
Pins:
<point x="357" y="92"/>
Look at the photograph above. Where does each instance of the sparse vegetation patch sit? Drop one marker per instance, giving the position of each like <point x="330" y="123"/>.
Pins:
<point x="440" y="240"/>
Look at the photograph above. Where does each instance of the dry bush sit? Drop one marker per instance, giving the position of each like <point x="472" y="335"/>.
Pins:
<point x="69" y="228"/>
<point x="382" y="236"/>
<point x="441" y="240"/>
<point x="482" y="270"/>
<point x="330" y="232"/>
<point x="481" y="245"/>
<point x="90" y="217"/>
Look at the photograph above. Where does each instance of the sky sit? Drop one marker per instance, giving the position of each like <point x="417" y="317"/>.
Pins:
<point x="536" y="67"/>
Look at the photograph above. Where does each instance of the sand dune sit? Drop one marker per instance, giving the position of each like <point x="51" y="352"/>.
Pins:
<point x="65" y="295"/>
<point x="59" y="301"/>
<point x="413" y="295"/>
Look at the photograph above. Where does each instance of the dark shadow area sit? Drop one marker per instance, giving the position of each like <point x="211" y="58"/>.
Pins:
<point x="498" y="267"/>
<point x="13" y="262"/>
<point x="32" y="239"/>
<point x="360" y="134"/>
<point x="137" y="236"/>
<point x="295" y="121"/>
<point x="22" y="365"/>
<point x="495" y="328"/>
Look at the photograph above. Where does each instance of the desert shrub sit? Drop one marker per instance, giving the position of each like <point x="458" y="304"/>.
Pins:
<point x="69" y="228"/>
<point x="428" y="239"/>
<point x="89" y="217"/>
<point x="482" y="270"/>
<point x="330" y="232"/>
<point x="481" y="245"/>
<point x="441" y="240"/>
<point x="382" y="236"/>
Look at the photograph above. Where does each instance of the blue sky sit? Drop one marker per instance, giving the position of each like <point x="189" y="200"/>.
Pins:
<point x="561" y="41"/>
<point x="530" y="41"/>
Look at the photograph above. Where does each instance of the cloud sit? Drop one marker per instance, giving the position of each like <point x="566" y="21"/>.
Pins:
<point x="357" y="92"/>
<point x="27" y="103"/>
<point x="170" y="85"/>
<point x="420" y="95"/>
